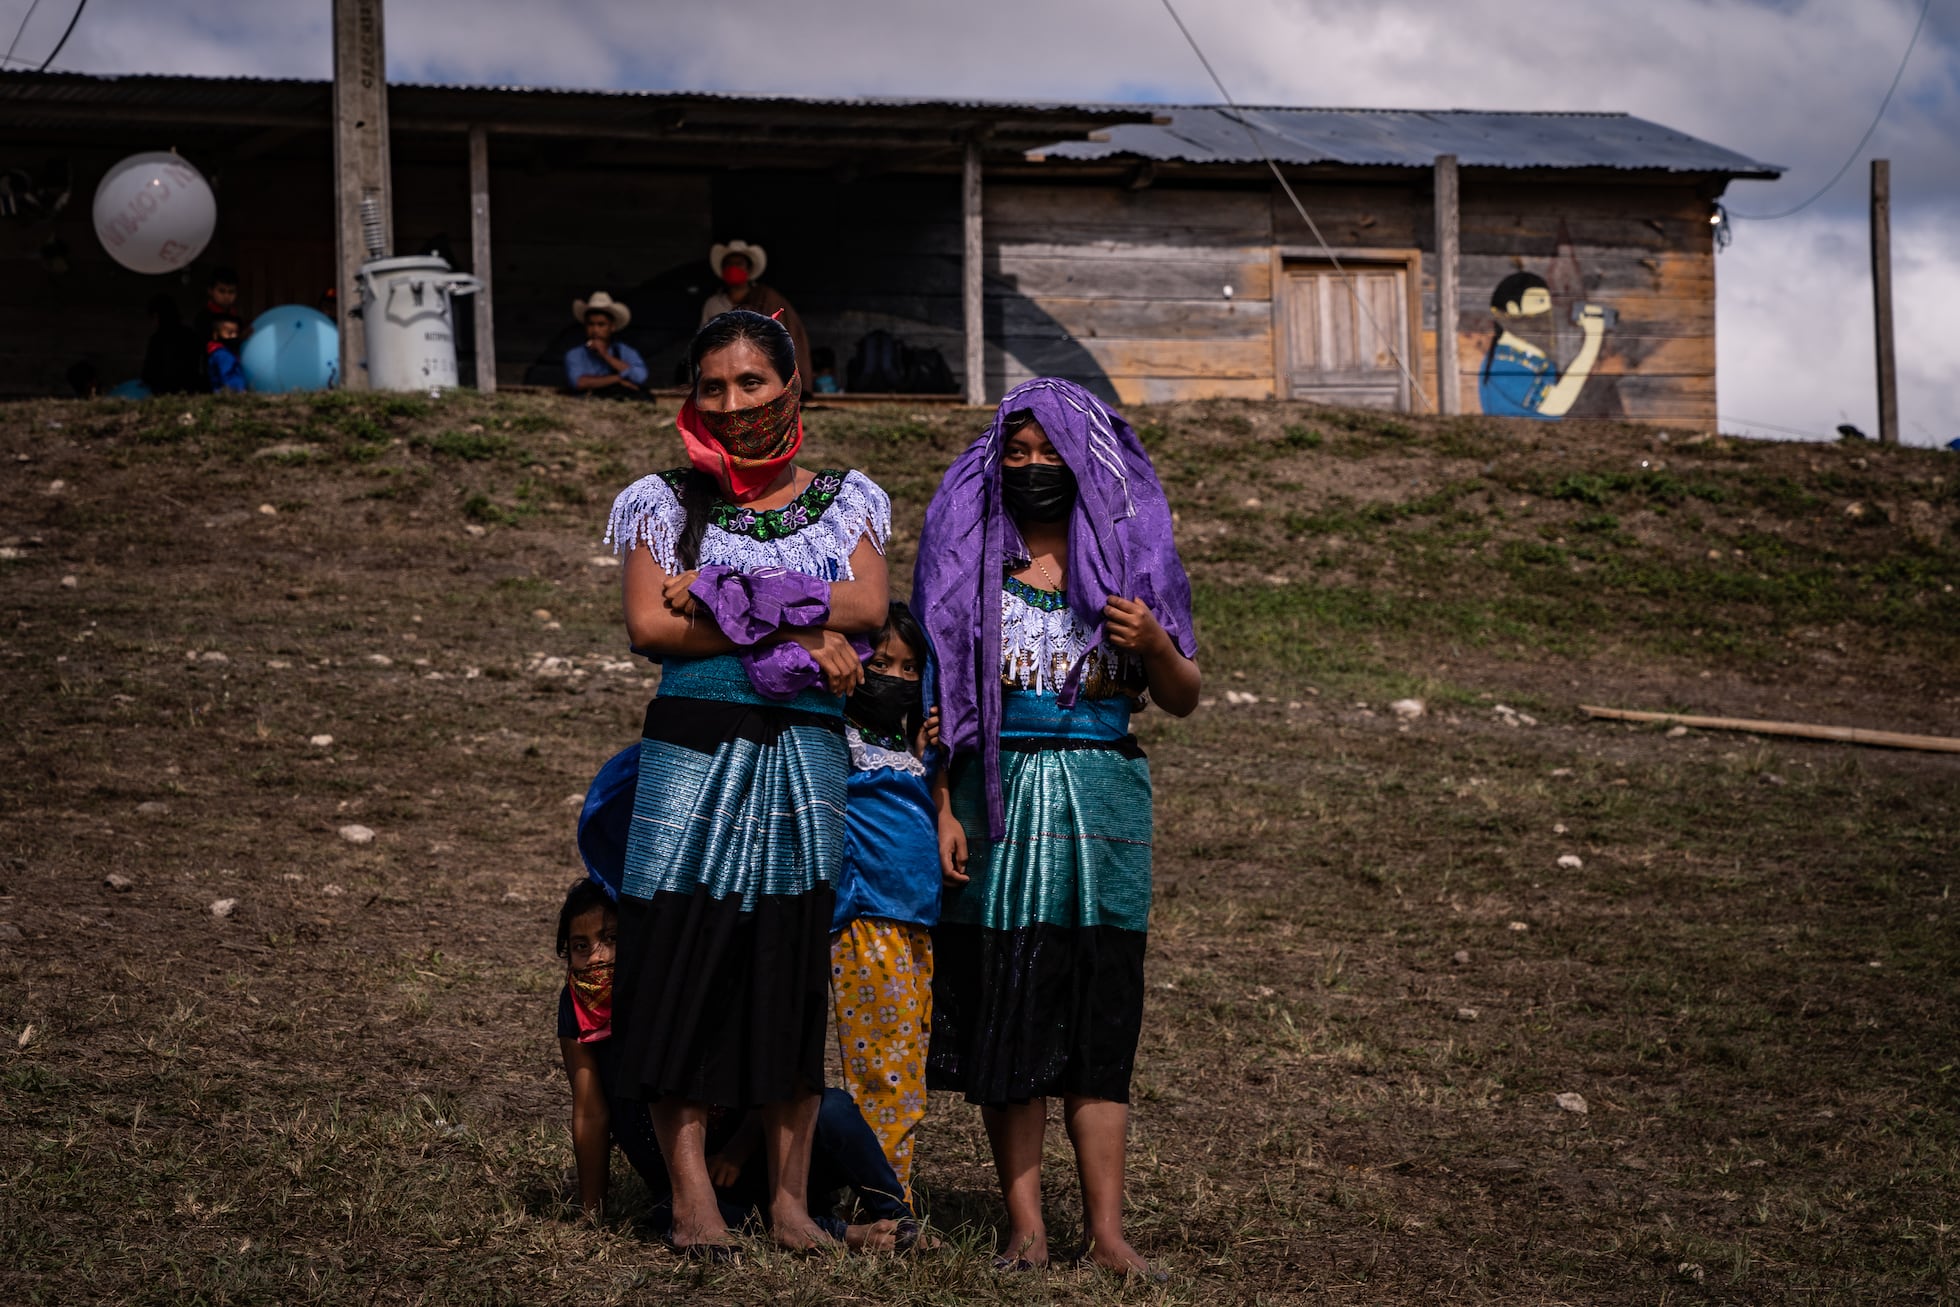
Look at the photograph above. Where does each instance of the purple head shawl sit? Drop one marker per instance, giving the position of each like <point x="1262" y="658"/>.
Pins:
<point x="1119" y="544"/>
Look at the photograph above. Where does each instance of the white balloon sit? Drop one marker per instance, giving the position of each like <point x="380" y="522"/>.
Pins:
<point x="154" y="212"/>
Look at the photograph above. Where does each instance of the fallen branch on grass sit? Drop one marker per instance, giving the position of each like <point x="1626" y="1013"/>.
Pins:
<point x="1802" y="730"/>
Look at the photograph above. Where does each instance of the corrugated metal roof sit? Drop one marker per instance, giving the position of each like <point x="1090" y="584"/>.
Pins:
<point x="171" y="89"/>
<point x="1195" y="134"/>
<point x="1413" y="138"/>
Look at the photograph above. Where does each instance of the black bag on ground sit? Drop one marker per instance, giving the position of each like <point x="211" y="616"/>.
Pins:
<point x="877" y="365"/>
<point x="926" y="373"/>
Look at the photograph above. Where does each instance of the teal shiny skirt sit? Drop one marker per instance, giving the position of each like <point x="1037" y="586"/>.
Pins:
<point x="1038" y="959"/>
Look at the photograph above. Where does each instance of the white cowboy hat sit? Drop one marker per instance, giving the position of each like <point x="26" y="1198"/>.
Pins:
<point x="757" y="256"/>
<point x="606" y="304"/>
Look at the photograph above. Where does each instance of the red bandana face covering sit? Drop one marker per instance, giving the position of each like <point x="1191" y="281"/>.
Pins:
<point x="748" y="448"/>
<point x="592" y="995"/>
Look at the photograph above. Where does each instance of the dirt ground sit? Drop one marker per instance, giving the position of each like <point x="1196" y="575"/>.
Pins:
<point x="231" y="629"/>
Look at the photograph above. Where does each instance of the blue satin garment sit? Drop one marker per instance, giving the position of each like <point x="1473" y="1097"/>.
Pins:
<point x="891" y="850"/>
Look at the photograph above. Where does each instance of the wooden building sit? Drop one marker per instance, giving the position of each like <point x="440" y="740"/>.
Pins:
<point x="1145" y="250"/>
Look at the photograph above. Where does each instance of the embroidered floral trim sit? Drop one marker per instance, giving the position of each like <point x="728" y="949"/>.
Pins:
<point x="1048" y="601"/>
<point x="869" y="752"/>
<point x="767" y="524"/>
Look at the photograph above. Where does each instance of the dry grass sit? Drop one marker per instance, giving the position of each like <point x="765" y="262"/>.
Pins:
<point x="348" y="1091"/>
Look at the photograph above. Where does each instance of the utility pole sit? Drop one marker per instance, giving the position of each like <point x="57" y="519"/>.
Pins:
<point x="973" y="302"/>
<point x="486" y="344"/>
<point x="1888" y="363"/>
<point x="1449" y="385"/>
<point x="363" y="213"/>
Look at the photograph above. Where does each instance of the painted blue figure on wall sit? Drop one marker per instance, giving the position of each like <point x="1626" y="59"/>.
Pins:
<point x="1519" y="377"/>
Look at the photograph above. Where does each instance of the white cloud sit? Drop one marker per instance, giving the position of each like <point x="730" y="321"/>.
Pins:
<point x="1791" y="82"/>
<point x="1796" y="347"/>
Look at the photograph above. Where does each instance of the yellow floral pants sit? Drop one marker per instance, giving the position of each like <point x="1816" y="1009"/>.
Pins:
<point x="881" y="990"/>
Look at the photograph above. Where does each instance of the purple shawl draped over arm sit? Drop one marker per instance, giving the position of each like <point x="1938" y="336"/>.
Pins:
<point x="1120" y="543"/>
<point x="749" y="607"/>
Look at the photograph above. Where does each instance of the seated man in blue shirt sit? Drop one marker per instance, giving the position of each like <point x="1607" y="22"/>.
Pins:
<point x="602" y="365"/>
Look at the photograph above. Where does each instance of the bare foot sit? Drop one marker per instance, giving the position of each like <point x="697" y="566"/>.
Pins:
<point x="1115" y="1254"/>
<point x="799" y="1234"/>
<point x="877" y="1237"/>
<point x="1030" y="1246"/>
<point x="706" y="1232"/>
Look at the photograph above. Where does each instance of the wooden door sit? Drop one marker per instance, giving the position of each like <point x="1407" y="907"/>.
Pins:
<point x="1343" y="330"/>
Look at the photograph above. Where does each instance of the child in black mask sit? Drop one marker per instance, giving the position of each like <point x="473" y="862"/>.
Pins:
<point x="888" y="891"/>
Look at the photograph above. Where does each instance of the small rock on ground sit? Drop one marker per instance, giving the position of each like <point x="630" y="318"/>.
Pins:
<point x="320" y="741"/>
<point x="1461" y="957"/>
<point x="1466" y="1014"/>
<point x="357" y="834"/>
<point x="1571" y="1103"/>
<point x="153" y="808"/>
<point x="1571" y="861"/>
<point x="118" y="882"/>
<point x="1407" y="709"/>
<point x="223" y="907"/>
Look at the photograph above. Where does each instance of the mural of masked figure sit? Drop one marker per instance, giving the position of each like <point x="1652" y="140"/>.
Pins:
<point x="1519" y="378"/>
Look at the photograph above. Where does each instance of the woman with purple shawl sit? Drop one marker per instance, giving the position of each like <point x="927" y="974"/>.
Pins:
<point x="1049" y="582"/>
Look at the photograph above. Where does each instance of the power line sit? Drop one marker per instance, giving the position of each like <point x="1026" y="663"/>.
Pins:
<point x="21" y="31"/>
<point x="1774" y="426"/>
<point x="70" y="31"/>
<point x="1352" y="283"/>
<point x="1924" y="9"/>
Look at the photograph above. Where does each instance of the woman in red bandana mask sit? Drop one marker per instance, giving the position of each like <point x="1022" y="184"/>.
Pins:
<point x="748" y="578"/>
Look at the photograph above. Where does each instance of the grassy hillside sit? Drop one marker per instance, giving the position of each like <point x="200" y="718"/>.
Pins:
<point x="1369" y="973"/>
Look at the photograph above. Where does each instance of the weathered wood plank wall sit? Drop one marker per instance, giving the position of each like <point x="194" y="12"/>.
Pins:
<point x="1136" y="279"/>
<point x="1126" y="291"/>
<point x="1123" y="290"/>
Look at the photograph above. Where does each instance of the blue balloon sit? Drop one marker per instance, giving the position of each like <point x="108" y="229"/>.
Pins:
<point x="291" y="347"/>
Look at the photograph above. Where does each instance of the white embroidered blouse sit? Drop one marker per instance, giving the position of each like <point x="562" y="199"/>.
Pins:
<point x="1041" y="638"/>
<point x="814" y="533"/>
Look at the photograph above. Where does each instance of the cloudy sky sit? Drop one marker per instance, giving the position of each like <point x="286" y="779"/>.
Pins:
<point x="1793" y="82"/>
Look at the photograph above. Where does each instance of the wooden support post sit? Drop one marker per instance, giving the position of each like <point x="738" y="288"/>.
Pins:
<point x="973" y="286"/>
<point x="360" y="165"/>
<point x="1888" y="363"/>
<point x="1449" y="384"/>
<point x="486" y="339"/>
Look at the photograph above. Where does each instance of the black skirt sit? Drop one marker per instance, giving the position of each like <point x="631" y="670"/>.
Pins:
<point x="721" y="988"/>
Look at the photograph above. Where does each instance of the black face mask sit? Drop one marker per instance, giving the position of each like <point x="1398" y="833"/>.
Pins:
<point x="883" y="701"/>
<point x="1038" y="492"/>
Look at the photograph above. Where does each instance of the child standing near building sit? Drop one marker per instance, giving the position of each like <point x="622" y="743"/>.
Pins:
<point x="888" y="893"/>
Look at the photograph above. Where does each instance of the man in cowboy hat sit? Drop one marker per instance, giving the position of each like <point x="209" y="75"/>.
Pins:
<point x="739" y="265"/>
<point x="602" y="365"/>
